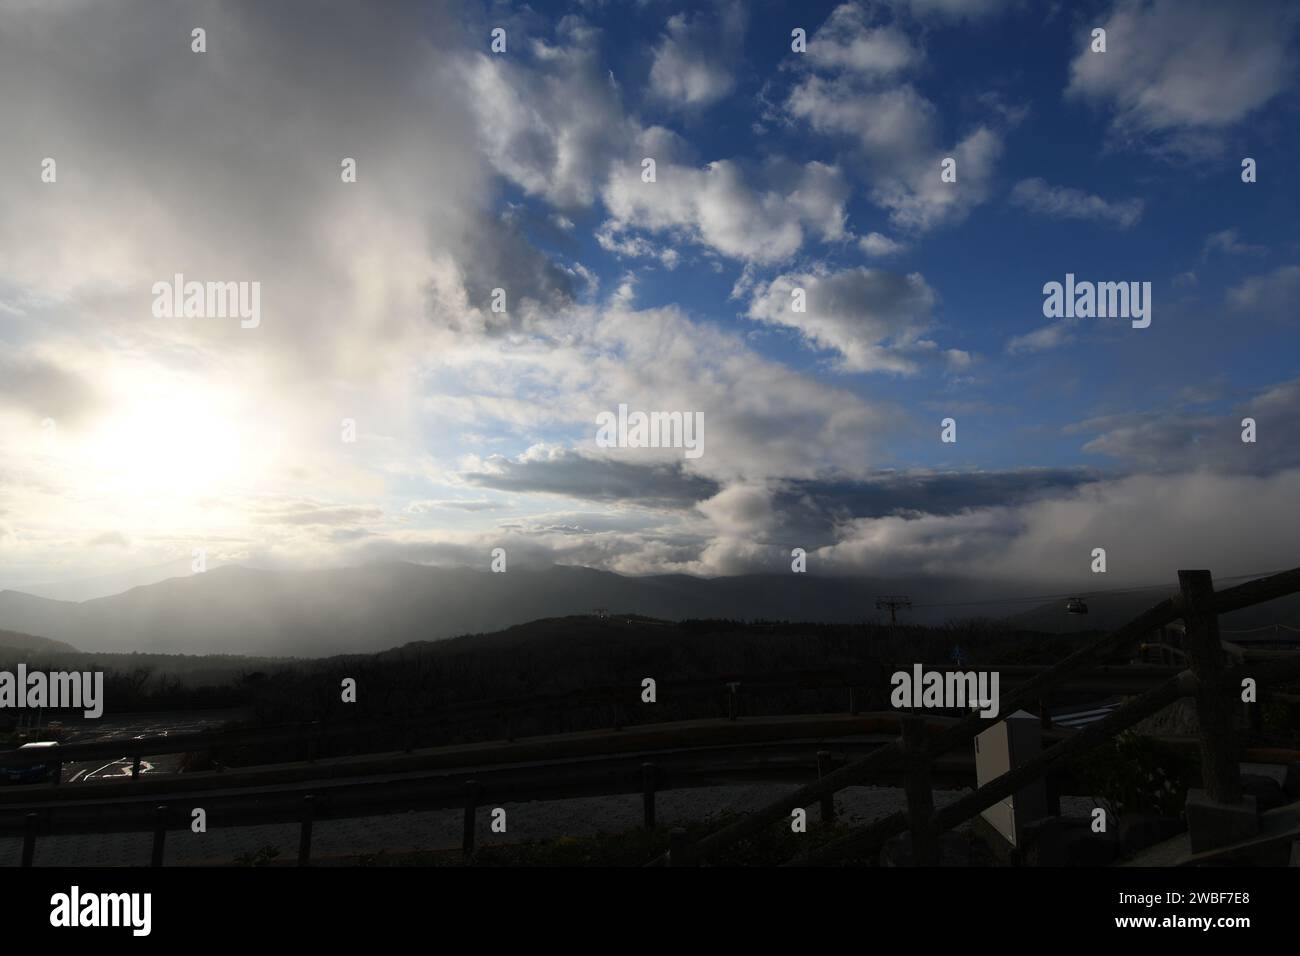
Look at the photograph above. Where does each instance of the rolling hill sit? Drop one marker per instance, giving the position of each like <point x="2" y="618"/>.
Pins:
<point x="238" y="610"/>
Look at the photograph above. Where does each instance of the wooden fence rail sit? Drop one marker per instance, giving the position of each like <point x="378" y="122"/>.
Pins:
<point x="1197" y="603"/>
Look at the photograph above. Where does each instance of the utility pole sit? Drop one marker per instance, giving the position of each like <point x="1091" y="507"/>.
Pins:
<point x="894" y="602"/>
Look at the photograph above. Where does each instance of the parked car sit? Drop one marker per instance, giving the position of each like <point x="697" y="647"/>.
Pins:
<point x="36" y="772"/>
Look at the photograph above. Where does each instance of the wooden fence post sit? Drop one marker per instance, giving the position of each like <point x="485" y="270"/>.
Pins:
<point x="1255" y="713"/>
<point x="472" y="794"/>
<point x="304" y="835"/>
<point x="920" y="798"/>
<point x="648" y="773"/>
<point x="135" y="767"/>
<point x="1220" y="772"/>
<point x="29" y="840"/>
<point x="828" y="801"/>
<point x="159" y="834"/>
<point x="731" y="700"/>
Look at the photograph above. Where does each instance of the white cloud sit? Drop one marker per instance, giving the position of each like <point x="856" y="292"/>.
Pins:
<point x="1064" y="202"/>
<point x="1270" y="296"/>
<point x="1150" y="525"/>
<point x="1228" y="242"/>
<point x="1175" y="72"/>
<point x="956" y="9"/>
<point x="847" y="41"/>
<point x="872" y="318"/>
<point x="858" y="90"/>
<point x="876" y="244"/>
<point x="720" y="207"/>
<point x="695" y="60"/>
<point x="1040" y="340"/>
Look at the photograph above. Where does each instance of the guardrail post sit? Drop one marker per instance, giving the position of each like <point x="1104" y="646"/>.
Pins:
<point x="828" y="801"/>
<point x="135" y="767"/>
<point x="29" y="840"/>
<point x="1220" y="772"/>
<point x="304" y="835"/>
<point x="920" y="797"/>
<point x="159" y="834"/>
<point x="472" y="794"/>
<point x="1051" y="781"/>
<point x="648" y="779"/>
<point x="679" y="850"/>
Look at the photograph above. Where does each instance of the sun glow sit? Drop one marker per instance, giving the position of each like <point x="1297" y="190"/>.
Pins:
<point x="165" y="445"/>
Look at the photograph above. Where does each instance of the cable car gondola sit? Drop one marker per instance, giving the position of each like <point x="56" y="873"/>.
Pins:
<point x="1075" y="606"/>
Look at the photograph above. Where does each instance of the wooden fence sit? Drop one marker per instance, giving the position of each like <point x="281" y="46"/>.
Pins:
<point x="1207" y="682"/>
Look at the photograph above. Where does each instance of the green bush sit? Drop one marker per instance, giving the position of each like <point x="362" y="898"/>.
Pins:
<point x="1136" y="774"/>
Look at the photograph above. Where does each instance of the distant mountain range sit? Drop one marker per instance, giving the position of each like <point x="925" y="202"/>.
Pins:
<point x="12" y="641"/>
<point x="237" y="610"/>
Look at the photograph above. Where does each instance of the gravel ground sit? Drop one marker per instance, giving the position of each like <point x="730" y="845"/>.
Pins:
<point x="441" y="829"/>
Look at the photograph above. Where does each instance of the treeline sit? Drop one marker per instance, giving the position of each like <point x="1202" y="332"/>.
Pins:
<point x="565" y="665"/>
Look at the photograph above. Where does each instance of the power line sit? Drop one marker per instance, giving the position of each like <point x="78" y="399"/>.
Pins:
<point x="894" y="602"/>
<point x="1069" y="594"/>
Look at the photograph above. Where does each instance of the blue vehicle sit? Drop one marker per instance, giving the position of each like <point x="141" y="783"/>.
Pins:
<point x="32" y="772"/>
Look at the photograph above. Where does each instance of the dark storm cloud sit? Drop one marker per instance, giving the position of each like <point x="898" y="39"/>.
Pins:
<point x="1173" y="440"/>
<point x="575" y="475"/>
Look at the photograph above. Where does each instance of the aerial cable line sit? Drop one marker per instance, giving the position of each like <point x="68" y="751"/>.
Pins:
<point x="1054" y="597"/>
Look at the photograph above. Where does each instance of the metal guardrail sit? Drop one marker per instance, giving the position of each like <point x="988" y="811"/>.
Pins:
<point x="508" y="713"/>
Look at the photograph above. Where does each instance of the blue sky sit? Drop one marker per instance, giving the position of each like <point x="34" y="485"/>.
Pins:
<point x="134" y="442"/>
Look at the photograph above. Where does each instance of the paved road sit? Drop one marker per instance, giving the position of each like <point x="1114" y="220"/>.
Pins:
<point x="143" y="725"/>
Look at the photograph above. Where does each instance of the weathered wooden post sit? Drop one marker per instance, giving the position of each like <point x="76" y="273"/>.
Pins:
<point x="29" y="840"/>
<point x="135" y="767"/>
<point x="828" y="801"/>
<point x="648" y="779"/>
<point x="159" y="834"/>
<point x="472" y="794"/>
<point x="1255" y="713"/>
<point x="920" y="797"/>
<point x="1218" y="814"/>
<point x="1051" y="781"/>
<point x="1220" y="772"/>
<point x="304" y="835"/>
